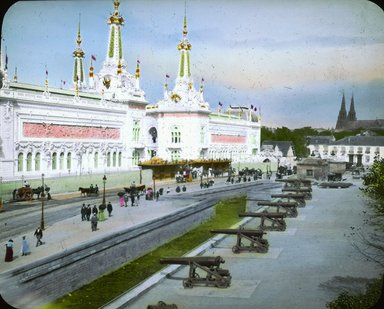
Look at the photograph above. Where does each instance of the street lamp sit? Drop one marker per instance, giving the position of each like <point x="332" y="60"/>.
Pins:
<point x="42" y="203"/>
<point x="104" y="181"/>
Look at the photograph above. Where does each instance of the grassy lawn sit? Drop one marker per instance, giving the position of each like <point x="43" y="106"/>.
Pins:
<point x="111" y="285"/>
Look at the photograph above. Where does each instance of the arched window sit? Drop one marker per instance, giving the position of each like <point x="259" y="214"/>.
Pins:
<point x="175" y="135"/>
<point x="37" y="161"/>
<point x="20" y="162"/>
<point x="69" y="160"/>
<point x="61" y="161"/>
<point x="96" y="160"/>
<point x="114" y="159"/>
<point x="175" y="155"/>
<point x="135" y="157"/>
<point x="136" y="131"/>
<point x="119" y="158"/>
<point x="108" y="159"/>
<point x="54" y="161"/>
<point x="29" y="161"/>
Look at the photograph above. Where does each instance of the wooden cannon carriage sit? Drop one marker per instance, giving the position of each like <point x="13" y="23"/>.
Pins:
<point x="210" y="266"/>
<point x="290" y="208"/>
<point x="298" y="198"/>
<point x="276" y="218"/>
<point x="254" y="237"/>
<point x="134" y="189"/>
<point x="23" y="194"/>
<point x="307" y="192"/>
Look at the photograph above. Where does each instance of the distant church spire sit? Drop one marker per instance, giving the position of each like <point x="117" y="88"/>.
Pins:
<point x="78" y="54"/>
<point x="352" y="113"/>
<point x="342" y="115"/>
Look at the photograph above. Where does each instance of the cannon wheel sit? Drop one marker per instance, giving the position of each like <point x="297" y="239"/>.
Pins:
<point x="187" y="284"/>
<point x="235" y="249"/>
<point x="223" y="284"/>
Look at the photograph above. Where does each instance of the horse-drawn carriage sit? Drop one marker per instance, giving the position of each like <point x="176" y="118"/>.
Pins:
<point x="89" y="191"/>
<point x="26" y="193"/>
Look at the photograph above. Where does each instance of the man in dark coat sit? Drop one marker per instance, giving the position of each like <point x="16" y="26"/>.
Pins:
<point x="94" y="222"/>
<point x="83" y="212"/>
<point x="88" y="212"/>
<point x="94" y="210"/>
<point x="39" y="236"/>
<point x="109" y="209"/>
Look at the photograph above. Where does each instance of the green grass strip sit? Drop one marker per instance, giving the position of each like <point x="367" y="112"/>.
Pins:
<point x="109" y="286"/>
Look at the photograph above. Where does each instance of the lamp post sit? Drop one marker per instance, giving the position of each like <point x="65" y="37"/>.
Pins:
<point x="1" y="193"/>
<point x="42" y="203"/>
<point x="104" y="181"/>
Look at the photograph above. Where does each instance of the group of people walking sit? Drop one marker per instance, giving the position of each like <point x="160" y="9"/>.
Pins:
<point x="95" y="214"/>
<point x="25" y="249"/>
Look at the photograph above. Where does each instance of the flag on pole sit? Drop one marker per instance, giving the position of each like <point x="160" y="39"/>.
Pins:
<point x="6" y="61"/>
<point x="202" y="79"/>
<point x="251" y="106"/>
<point x="138" y="61"/>
<point x="93" y="57"/>
<point x="167" y="76"/>
<point x="220" y="104"/>
<point x="255" y="109"/>
<point x="46" y="71"/>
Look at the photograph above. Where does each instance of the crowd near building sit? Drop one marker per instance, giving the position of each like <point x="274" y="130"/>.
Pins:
<point x="104" y="124"/>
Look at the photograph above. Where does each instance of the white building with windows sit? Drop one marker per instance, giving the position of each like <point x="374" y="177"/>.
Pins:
<point x="105" y="124"/>
<point x="355" y="150"/>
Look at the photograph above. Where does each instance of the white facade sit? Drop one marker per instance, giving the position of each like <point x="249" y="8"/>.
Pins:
<point x="357" y="150"/>
<point x="106" y="125"/>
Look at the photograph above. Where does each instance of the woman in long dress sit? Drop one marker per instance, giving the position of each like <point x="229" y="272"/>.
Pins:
<point x="25" y="247"/>
<point x="9" y="251"/>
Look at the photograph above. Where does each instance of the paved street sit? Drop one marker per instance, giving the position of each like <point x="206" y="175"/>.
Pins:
<point x="306" y="266"/>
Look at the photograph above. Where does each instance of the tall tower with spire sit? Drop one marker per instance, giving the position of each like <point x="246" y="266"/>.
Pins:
<point x="78" y="69"/>
<point x="342" y="115"/>
<point x="113" y="78"/>
<point x="352" y="113"/>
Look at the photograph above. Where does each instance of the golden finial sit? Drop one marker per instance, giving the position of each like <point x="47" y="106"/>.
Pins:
<point x="116" y="18"/>
<point x="78" y="33"/>
<point x="91" y="70"/>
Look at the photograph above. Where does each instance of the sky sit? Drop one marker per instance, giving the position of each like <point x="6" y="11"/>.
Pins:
<point x="293" y="59"/>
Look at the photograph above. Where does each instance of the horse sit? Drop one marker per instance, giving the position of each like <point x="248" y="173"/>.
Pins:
<point x="84" y="191"/>
<point x="37" y="191"/>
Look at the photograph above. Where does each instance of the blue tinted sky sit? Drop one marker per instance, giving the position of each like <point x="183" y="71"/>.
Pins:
<point x="293" y="59"/>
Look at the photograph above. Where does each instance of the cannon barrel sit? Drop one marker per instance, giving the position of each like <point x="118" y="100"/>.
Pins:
<point x="295" y="190"/>
<point x="237" y="231"/>
<point x="201" y="260"/>
<point x="263" y="214"/>
<point x="306" y="181"/>
<point x="162" y="305"/>
<point x="282" y="204"/>
<point x="288" y="195"/>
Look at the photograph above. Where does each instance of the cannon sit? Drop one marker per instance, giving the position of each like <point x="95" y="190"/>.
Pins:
<point x="255" y="238"/>
<point x="276" y="218"/>
<point x="210" y="266"/>
<point x="298" y="198"/>
<point x="296" y="183"/>
<point x="307" y="192"/>
<point x="162" y="305"/>
<point x="289" y="207"/>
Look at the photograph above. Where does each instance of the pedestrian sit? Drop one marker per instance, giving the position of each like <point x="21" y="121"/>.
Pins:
<point x="157" y="195"/>
<point x="39" y="236"/>
<point x="109" y="209"/>
<point x="83" y="212"/>
<point x="126" y="199"/>
<point x="88" y="212"/>
<point x="94" y="222"/>
<point x="25" y="247"/>
<point x="9" y="251"/>
<point x="132" y="200"/>
<point x="168" y="190"/>
<point x="121" y="200"/>
<point x="96" y="189"/>
<point x="94" y="210"/>
<point x="101" y="212"/>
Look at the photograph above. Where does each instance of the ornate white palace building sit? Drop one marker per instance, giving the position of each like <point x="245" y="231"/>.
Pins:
<point x="105" y="124"/>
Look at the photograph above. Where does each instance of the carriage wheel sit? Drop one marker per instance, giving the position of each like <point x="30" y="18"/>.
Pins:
<point x="28" y="196"/>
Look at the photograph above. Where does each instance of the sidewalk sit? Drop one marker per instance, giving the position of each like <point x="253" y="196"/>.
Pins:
<point x="71" y="232"/>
